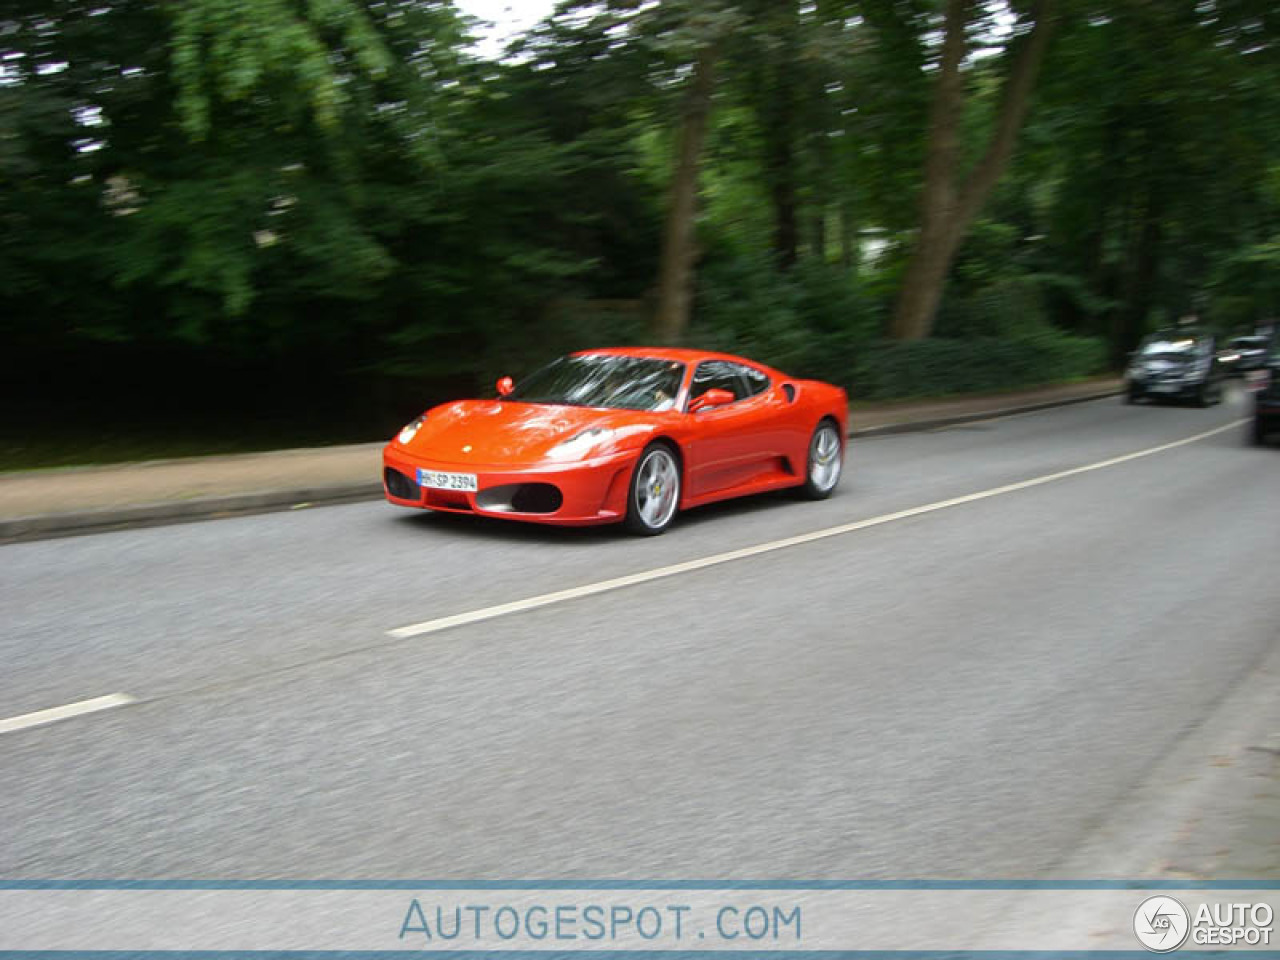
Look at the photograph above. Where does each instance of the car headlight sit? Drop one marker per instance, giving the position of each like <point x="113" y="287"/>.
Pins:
<point x="580" y="444"/>
<point x="1137" y="373"/>
<point x="410" y="430"/>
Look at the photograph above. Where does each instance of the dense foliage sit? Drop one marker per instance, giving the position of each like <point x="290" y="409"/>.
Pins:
<point x="915" y="368"/>
<point x="253" y="207"/>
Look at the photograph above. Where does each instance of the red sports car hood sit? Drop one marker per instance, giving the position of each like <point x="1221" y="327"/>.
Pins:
<point x="501" y="432"/>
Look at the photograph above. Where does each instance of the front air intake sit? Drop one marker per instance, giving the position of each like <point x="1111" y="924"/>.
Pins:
<point x="398" y="485"/>
<point x="521" y="498"/>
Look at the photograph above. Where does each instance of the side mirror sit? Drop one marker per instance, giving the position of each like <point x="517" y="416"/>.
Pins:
<point x="505" y="386"/>
<point x="714" y="397"/>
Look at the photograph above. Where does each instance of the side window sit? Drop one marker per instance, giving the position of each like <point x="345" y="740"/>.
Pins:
<point x="717" y="375"/>
<point x="757" y="380"/>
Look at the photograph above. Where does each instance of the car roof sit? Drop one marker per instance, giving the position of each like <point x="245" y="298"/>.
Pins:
<point x="1174" y="333"/>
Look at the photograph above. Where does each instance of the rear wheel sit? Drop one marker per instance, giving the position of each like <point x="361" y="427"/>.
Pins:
<point x="655" y="491"/>
<point x="826" y="460"/>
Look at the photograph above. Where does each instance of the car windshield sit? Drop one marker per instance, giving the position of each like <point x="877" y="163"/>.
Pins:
<point x="1172" y="350"/>
<point x="1249" y="343"/>
<point x="604" y="380"/>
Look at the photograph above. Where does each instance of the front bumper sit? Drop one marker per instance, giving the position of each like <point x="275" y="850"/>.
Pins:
<point x="1166" y="389"/>
<point x="572" y="494"/>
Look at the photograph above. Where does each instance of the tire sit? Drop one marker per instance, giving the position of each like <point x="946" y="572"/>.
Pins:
<point x="825" y="462"/>
<point x="653" y="497"/>
<point x="1132" y="395"/>
<point x="1202" y="396"/>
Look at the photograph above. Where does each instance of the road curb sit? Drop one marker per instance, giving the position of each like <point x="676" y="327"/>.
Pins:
<point x="46" y="526"/>
<point x="73" y="523"/>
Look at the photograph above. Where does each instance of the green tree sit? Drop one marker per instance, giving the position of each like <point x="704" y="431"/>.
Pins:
<point x="951" y="195"/>
<point x="1150" y="187"/>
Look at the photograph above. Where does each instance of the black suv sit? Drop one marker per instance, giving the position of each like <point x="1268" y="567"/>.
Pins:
<point x="1266" y="402"/>
<point x="1175" y="365"/>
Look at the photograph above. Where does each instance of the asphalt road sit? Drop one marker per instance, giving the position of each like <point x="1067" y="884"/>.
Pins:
<point x="1051" y="680"/>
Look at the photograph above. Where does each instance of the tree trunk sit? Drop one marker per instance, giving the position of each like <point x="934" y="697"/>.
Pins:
<point x="772" y="94"/>
<point x="780" y="165"/>
<point x="786" y="234"/>
<point x="849" y="253"/>
<point x="675" y="279"/>
<point x="923" y="282"/>
<point x="948" y="205"/>
<point x="819" y="242"/>
<point x="1144" y="261"/>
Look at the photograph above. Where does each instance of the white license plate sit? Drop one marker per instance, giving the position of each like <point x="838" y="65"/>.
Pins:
<point x="436" y="480"/>
<point x="1165" y="388"/>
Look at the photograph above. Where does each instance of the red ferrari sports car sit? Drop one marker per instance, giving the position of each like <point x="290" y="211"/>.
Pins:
<point x="629" y="434"/>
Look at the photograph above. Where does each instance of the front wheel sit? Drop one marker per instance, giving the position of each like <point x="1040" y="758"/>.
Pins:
<point x="1259" y="430"/>
<point x="826" y="459"/>
<point x="655" y="491"/>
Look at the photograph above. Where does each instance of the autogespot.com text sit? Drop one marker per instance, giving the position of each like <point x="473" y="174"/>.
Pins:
<point x="479" y="924"/>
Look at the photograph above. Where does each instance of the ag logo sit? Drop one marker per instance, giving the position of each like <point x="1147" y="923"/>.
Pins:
<point x="1161" y="924"/>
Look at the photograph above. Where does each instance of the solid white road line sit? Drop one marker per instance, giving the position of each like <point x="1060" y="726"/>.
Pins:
<point x="54" y="714"/>
<point x="658" y="573"/>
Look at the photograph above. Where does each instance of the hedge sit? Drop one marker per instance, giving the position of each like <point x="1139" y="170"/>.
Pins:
<point x="891" y="370"/>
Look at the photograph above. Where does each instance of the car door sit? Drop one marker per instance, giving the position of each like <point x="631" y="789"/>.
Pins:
<point x="732" y="444"/>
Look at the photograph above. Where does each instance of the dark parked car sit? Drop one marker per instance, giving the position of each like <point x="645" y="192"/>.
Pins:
<point x="1266" y="402"/>
<point x="1244" y="354"/>
<point x="1175" y="365"/>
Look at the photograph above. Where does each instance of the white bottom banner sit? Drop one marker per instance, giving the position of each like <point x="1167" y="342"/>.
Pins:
<point x="365" y="918"/>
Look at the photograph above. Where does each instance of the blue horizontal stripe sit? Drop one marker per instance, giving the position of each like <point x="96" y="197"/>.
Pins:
<point x="617" y="954"/>
<point x="574" y="885"/>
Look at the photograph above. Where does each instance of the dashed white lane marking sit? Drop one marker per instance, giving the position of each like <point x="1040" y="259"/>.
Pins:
<point x="54" y="714"/>
<point x="659" y="573"/>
